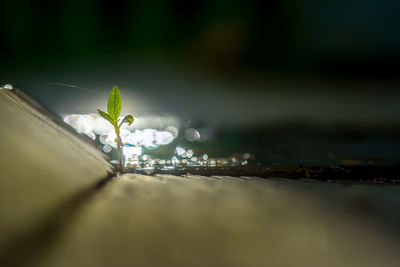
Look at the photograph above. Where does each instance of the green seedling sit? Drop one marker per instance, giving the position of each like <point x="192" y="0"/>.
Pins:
<point x="114" y="110"/>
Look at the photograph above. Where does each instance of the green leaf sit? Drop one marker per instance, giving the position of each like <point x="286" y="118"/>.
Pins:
<point x="106" y="116"/>
<point x="114" y="103"/>
<point x="128" y="119"/>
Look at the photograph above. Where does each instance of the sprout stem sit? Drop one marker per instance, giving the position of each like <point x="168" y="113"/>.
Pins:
<point x="120" y="154"/>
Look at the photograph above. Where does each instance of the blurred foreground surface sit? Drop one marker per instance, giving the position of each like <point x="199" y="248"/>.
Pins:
<point x="198" y="221"/>
<point x="56" y="211"/>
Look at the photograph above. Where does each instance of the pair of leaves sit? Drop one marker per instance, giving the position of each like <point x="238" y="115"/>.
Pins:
<point x="114" y="109"/>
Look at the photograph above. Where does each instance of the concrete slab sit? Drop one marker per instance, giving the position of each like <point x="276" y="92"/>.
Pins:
<point x="139" y="220"/>
<point x="42" y="165"/>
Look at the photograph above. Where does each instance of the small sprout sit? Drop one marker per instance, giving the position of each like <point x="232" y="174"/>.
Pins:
<point x="114" y="110"/>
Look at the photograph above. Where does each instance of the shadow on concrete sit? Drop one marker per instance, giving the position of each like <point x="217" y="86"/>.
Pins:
<point x="23" y="250"/>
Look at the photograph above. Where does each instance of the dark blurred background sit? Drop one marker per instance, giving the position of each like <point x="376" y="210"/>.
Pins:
<point x="352" y="39"/>
<point x="307" y="79"/>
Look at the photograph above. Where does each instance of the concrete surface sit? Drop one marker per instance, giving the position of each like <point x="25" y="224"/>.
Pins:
<point x="42" y="165"/>
<point x="138" y="220"/>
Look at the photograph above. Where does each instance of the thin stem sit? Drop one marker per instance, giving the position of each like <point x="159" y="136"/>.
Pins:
<point x="120" y="154"/>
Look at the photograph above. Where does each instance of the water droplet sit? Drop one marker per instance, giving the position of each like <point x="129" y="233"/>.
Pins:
<point x="8" y="86"/>
<point x="107" y="148"/>
<point x="103" y="139"/>
<point x="91" y="135"/>
<point x="173" y="130"/>
<point x="180" y="151"/>
<point x="192" y="134"/>
<point x="131" y="151"/>
<point x="189" y="153"/>
<point x="149" y="170"/>
<point x="149" y="138"/>
<point x="246" y="155"/>
<point x="164" y="138"/>
<point x="175" y="161"/>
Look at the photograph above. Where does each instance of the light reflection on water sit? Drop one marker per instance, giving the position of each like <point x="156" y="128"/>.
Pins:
<point x="137" y="138"/>
<point x="132" y="135"/>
